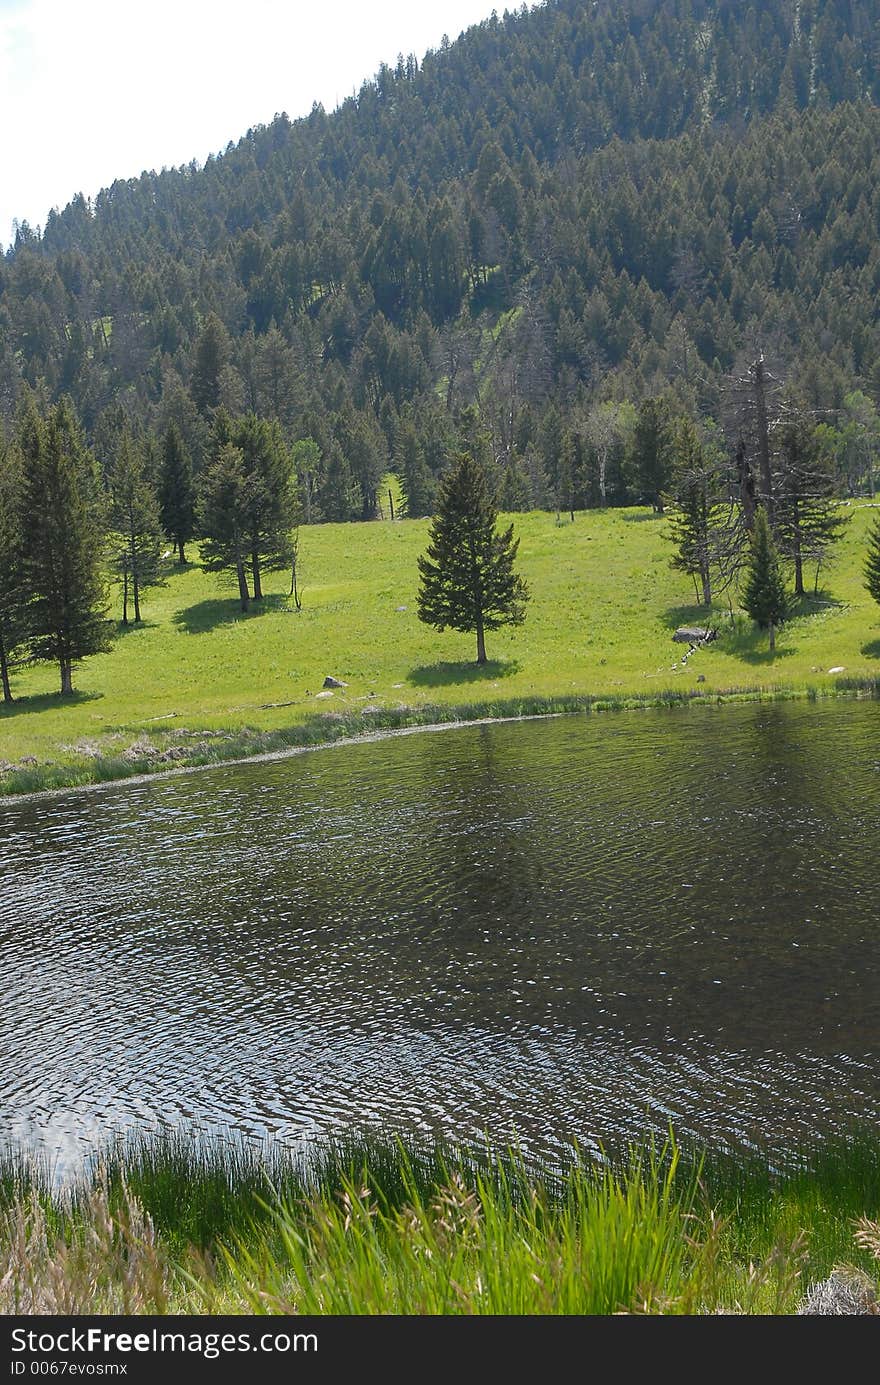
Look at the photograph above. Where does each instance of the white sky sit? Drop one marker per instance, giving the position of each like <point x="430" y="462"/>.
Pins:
<point x="94" y="90"/>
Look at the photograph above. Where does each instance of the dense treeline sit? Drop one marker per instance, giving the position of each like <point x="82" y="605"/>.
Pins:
<point x="508" y="247"/>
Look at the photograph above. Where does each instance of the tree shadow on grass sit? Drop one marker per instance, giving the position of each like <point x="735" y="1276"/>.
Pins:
<point x="208" y="615"/>
<point x="740" y="637"/>
<point x="871" y="650"/>
<point x="703" y="616"/>
<point x="44" y="702"/>
<point x="132" y="627"/>
<point x="751" y="644"/>
<point x="761" y="656"/>
<point x="442" y="675"/>
<point x="814" y="603"/>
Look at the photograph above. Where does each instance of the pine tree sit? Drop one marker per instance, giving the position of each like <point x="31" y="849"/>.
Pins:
<point x="134" y="519"/>
<point x="417" y="483"/>
<point x="306" y="456"/>
<point x="872" y="561"/>
<point x="652" y="451"/>
<point x="339" y="495"/>
<point x="808" y="517"/>
<point x="468" y="581"/>
<point x="696" y="517"/>
<point x="223" y="505"/>
<point x="271" y="497"/>
<point x="177" y="491"/>
<point x="63" y="541"/>
<point x="13" y="594"/>
<point x="210" y="356"/>
<point x="765" y="598"/>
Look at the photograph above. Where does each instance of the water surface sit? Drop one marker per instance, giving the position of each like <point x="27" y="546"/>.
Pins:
<point x="563" y="930"/>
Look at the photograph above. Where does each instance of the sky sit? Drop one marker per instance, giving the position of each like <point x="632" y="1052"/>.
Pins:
<point x="94" y="90"/>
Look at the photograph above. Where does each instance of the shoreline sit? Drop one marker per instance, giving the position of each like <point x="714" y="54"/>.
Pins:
<point x="324" y="731"/>
<point x="383" y="1223"/>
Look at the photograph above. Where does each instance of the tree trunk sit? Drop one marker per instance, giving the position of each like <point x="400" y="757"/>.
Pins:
<point x="481" y="642"/>
<point x="763" y="437"/>
<point x="798" y="556"/>
<point x="135" y="594"/>
<point x="4" y="672"/>
<point x="255" y="568"/>
<point x="181" y="551"/>
<point x="772" y="638"/>
<point x="294" y="589"/>
<point x="66" y="677"/>
<point x="707" y="587"/>
<point x="603" y="464"/>
<point x="125" y="596"/>
<point x="243" y="592"/>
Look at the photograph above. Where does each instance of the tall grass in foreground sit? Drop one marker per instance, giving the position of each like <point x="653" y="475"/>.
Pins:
<point x="173" y="1226"/>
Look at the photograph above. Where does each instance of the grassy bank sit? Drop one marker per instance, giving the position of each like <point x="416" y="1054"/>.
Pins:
<point x="199" y="682"/>
<point x="170" y="1226"/>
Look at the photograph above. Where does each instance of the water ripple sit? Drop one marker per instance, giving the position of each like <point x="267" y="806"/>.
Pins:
<point x="557" y="932"/>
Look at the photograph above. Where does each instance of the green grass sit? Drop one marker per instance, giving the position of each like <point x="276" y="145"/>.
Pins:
<point x="199" y="682"/>
<point x="373" y="1226"/>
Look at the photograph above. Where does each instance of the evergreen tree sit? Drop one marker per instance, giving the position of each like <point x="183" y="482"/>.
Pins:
<point x="270" y="495"/>
<point x="177" y="491"/>
<point x="63" y="541"/>
<point x="765" y="598"/>
<point x="468" y="581"/>
<point x="696" y="514"/>
<point x="417" y="483"/>
<point x="13" y="594"/>
<point x="872" y="561"/>
<point x="808" y="517"/>
<point x="653" y="451"/>
<point x="306" y="456"/>
<point x="339" y="495"/>
<point x="211" y="356"/>
<point x="134" y="520"/>
<point x="223" y="508"/>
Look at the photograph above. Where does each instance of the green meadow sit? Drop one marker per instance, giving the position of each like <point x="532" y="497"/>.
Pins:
<point x="198" y="681"/>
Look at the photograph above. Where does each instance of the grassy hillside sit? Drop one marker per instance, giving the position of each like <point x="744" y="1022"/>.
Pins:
<point x="199" y="680"/>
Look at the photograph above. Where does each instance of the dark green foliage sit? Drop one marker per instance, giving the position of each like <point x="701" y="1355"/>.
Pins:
<point x="134" y="520"/>
<point x="339" y="495"/>
<point x="417" y="483"/>
<point x="223" y="505"/>
<point x="13" y="594"/>
<point x="212" y="350"/>
<point x="306" y="456"/>
<point x="808" y="516"/>
<point x="653" y="451"/>
<point x="571" y="205"/>
<point x="269" y="498"/>
<point x="63" y="540"/>
<point x="764" y="597"/>
<point x="872" y="561"/>
<point x="468" y="581"/>
<point x="698" y="517"/>
<point x="177" y="490"/>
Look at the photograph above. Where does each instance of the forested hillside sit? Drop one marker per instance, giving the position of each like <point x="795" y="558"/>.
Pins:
<point x="575" y="207"/>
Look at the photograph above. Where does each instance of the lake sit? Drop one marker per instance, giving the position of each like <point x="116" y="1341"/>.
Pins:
<point x="575" y="929"/>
